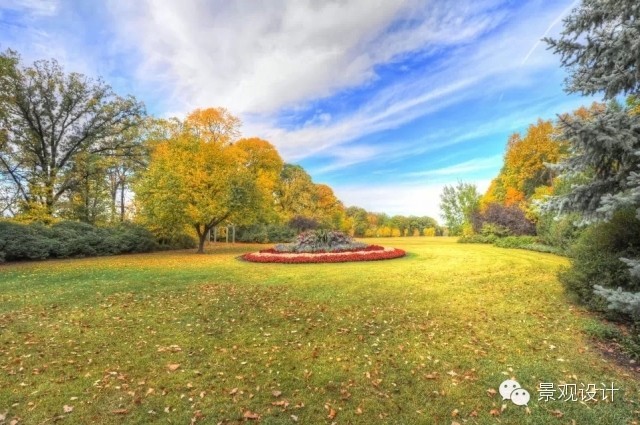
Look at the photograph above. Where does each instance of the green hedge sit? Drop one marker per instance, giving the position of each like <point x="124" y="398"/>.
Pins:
<point x="70" y="239"/>
<point x="265" y="233"/>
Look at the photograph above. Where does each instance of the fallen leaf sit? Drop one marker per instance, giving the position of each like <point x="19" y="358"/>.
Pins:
<point x="67" y="409"/>
<point x="455" y="423"/>
<point x="491" y="392"/>
<point x="332" y="413"/>
<point x="474" y="414"/>
<point x="455" y="412"/>
<point x="173" y="366"/>
<point x="494" y="412"/>
<point x="120" y="411"/>
<point x="528" y="410"/>
<point x="557" y="413"/>
<point x="250" y="415"/>
<point x="3" y="416"/>
<point x="281" y="403"/>
<point x="276" y="393"/>
<point x="358" y="411"/>
<point x="431" y="375"/>
<point x="503" y="408"/>
<point x="294" y="418"/>
<point x="233" y="391"/>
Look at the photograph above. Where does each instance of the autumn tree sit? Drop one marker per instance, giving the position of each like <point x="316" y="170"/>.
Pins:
<point x="49" y="119"/>
<point x="265" y="165"/>
<point x="196" y="179"/>
<point x="294" y="193"/>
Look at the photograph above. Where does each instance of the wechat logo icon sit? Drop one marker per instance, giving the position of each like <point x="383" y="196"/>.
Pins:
<point x="511" y="390"/>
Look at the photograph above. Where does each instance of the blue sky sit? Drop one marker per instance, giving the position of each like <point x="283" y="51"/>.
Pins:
<point x="386" y="101"/>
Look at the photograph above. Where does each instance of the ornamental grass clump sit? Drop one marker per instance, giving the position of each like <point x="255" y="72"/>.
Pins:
<point x="321" y="241"/>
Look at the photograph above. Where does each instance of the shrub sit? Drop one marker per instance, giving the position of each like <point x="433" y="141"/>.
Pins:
<point x="69" y="239"/>
<point x="321" y="240"/>
<point x="478" y="239"/>
<point x="515" y="241"/>
<point x="511" y="220"/>
<point x="596" y="259"/>
<point x="560" y="232"/>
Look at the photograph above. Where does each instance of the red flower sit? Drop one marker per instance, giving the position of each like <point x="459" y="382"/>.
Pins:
<point x="361" y="255"/>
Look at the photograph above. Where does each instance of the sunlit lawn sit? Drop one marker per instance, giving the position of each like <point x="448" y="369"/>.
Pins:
<point x="414" y="340"/>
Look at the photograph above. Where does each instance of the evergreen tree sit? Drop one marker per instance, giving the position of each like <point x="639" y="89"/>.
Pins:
<point x="599" y="46"/>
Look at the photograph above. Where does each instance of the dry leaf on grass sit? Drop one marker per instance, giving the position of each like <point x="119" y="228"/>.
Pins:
<point x="248" y="414"/>
<point x="173" y="366"/>
<point x="67" y="409"/>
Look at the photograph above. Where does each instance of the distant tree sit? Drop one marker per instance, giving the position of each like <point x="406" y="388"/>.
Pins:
<point x="599" y="46"/>
<point x="458" y="203"/>
<point x="48" y="119"/>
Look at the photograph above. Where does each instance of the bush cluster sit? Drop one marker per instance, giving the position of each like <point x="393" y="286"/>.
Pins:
<point x="596" y="259"/>
<point x="503" y="220"/>
<point x="69" y="239"/>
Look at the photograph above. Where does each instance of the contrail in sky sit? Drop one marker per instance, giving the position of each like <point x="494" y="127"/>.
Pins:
<point x="553" y="24"/>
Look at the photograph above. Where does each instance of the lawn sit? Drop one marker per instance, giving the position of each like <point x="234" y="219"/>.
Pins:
<point x="177" y="337"/>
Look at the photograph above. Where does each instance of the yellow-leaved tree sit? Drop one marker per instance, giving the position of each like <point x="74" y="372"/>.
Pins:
<point x="197" y="178"/>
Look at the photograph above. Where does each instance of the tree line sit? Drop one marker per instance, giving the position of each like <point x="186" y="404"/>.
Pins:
<point x="72" y="149"/>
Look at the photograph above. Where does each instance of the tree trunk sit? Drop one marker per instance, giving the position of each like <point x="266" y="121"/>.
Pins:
<point x="202" y="238"/>
<point x="122" y="208"/>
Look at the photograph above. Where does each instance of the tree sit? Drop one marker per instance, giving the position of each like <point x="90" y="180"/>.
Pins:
<point x="265" y="164"/>
<point x="458" y="203"/>
<point x="294" y="192"/>
<point x="196" y="180"/>
<point x="48" y="119"/>
<point x="599" y="45"/>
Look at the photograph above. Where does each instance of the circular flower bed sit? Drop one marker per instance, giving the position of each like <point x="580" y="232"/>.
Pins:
<point x="322" y="246"/>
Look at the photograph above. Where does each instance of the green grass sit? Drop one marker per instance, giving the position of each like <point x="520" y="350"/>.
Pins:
<point x="406" y="341"/>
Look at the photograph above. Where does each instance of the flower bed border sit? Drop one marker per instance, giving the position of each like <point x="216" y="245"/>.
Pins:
<point x="336" y="257"/>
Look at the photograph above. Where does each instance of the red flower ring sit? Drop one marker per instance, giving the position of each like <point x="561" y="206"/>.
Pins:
<point x="371" y="253"/>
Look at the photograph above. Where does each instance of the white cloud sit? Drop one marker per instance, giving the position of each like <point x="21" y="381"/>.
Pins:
<point x="259" y="57"/>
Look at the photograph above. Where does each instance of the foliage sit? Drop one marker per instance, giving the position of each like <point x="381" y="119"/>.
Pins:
<point x="478" y="238"/>
<point x="599" y="46"/>
<point x="502" y="220"/>
<point x="265" y="233"/>
<point x="69" y="239"/>
<point x="458" y="204"/>
<point x="558" y="231"/>
<point x="51" y="119"/>
<point x="321" y="240"/>
<point x="195" y="179"/>
<point x="596" y="259"/>
<point x="605" y="147"/>
<point x="301" y="224"/>
<point x="515" y="241"/>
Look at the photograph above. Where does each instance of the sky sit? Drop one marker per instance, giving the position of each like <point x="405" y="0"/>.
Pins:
<point x="386" y="101"/>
